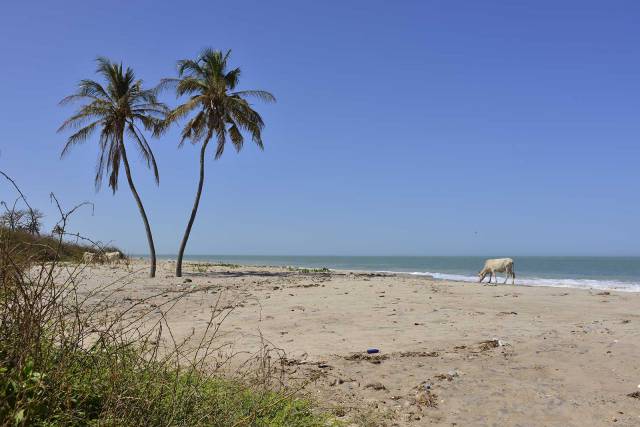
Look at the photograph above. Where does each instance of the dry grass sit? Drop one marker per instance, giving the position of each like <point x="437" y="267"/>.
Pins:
<point x="68" y="358"/>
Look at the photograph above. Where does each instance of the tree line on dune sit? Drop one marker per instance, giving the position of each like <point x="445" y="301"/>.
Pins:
<point x="120" y="110"/>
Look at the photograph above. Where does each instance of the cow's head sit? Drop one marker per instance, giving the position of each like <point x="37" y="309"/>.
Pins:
<point x="481" y="276"/>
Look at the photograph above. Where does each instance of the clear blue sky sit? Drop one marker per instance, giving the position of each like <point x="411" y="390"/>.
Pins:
<point x="422" y="127"/>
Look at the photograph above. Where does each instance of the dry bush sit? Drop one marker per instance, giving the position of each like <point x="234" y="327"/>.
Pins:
<point x="71" y="356"/>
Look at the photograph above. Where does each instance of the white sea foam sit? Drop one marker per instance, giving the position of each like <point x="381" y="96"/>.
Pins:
<point x="614" y="285"/>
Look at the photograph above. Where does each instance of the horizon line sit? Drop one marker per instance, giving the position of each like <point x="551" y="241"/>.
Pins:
<point x="394" y="255"/>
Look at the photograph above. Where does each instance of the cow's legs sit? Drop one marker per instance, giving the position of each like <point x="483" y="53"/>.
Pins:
<point x="506" y="276"/>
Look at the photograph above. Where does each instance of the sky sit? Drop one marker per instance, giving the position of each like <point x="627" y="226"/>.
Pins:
<point x="401" y="128"/>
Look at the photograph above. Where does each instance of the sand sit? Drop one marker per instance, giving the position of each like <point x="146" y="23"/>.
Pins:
<point x="490" y="355"/>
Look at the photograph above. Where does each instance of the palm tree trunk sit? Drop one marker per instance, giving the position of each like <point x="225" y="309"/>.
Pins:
<point x="152" y="249"/>
<point x="192" y="218"/>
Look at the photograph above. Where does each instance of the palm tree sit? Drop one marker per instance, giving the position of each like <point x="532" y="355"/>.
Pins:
<point x="118" y="108"/>
<point x="218" y="110"/>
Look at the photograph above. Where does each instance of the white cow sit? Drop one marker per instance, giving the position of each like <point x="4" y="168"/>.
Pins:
<point x="88" y="257"/>
<point x="499" y="265"/>
<point x="110" y="257"/>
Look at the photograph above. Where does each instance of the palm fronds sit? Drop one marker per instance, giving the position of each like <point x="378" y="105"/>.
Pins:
<point x="219" y="109"/>
<point x="117" y="107"/>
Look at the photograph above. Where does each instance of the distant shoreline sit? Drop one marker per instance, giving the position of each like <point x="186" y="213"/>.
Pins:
<point x="597" y="273"/>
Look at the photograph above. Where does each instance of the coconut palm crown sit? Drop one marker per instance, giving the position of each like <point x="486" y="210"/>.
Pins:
<point x="116" y="110"/>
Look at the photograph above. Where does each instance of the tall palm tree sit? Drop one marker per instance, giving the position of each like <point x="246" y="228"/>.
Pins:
<point x="118" y="108"/>
<point x="218" y="110"/>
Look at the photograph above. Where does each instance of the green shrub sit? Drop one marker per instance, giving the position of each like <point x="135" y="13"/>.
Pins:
<point x="47" y="248"/>
<point x="110" y="386"/>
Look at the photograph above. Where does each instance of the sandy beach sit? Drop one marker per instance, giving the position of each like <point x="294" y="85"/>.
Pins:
<point x="451" y="353"/>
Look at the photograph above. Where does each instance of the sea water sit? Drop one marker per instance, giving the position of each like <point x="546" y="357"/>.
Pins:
<point x="611" y="273"/>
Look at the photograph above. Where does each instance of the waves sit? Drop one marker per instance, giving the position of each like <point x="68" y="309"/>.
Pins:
<point x="598" y="273"/>
<point x="613" y="285"/>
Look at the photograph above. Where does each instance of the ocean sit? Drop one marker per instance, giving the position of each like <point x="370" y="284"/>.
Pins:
<point x="602" y="273"/>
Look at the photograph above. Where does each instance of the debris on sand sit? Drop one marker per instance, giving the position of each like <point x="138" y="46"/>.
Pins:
<point x="419" y="354"/>
<point x="635" y="394"/>
<point x="489" y="344"/>
<point x="376" y="386"/>
<point x="449" y="376"/>
<point x="372" y="275"/>
<point x="296" y="362"/>
<point x="426" y="398"/>
<point x="372" y="358"/>
<point x="307" y="285"/>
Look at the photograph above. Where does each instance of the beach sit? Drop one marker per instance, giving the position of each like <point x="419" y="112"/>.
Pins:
<point x="450" y="353"/>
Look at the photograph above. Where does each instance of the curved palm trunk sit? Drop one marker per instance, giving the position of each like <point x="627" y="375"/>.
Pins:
<point x="152" y="249"/>
<point x="192" y="218"/>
